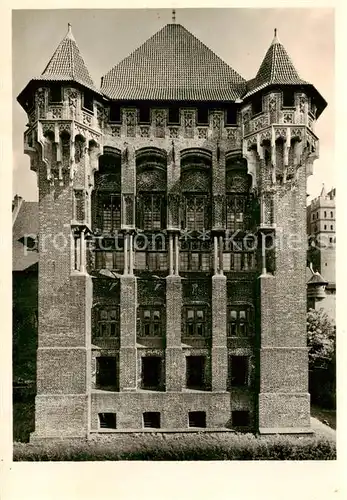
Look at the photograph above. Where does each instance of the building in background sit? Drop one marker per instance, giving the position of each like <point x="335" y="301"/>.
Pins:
<point x="321" y="228"/>
<point x="25" y="228"/>
<point x="156" y="310"/>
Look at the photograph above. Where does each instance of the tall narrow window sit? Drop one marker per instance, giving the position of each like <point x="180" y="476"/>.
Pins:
<point x="238" y="212"/>
<point x="152" y="211"/>
<point x="195" y="372"/>
<point x="107" y="373"/>
<point x="109" y="212"/>
<point x="238" y="371"/>
<point x="196" y="213"/>
<point x="151" y="372"/>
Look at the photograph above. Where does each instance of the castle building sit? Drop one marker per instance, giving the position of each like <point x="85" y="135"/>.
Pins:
<point x="321" y="228"/>
<point x="165" y="299"/>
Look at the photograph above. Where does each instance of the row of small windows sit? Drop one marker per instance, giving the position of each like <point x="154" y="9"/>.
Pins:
<point x="197" y="376"/>
<point x="151" y="212"/>
<point x="190" y="261"/>
<point x="196" y="419"/>
<point x="316" y="216"/>
<point x="195" y="321"/>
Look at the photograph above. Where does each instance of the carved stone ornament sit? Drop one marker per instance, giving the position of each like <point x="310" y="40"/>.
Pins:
<point x="288" y="117"/>
<point x="87" y="119"/>
<point x="302" y="103"/>
<point x="151" y="180"/>
<point x="202" y="133"/>
<point x="159" y="117"/>
<point x="259" y="123"/>
<point x="296" y="132"/>
<point x="265" y="136"/>
<point x="144" y="131"/>
<point x="173" y="131"/>
<point x="56" y="113"/>
<point x="280" y="133"/>
<point x="115" y="131"/>
<point x="65" y="127"/>
<point x="272" y="102"/>
<point x="232" y="134"/>
<point x="41" y="102"/>
<point x="130" y="118"/>
<point x="47" y="127"/>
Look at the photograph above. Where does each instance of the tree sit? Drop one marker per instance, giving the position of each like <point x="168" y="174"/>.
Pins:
<point x="321" y="340"/>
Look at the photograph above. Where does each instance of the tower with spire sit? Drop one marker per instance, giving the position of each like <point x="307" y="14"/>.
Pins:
<point x="155" y="310"/>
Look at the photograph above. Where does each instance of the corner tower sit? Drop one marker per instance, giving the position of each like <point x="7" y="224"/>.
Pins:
<point x="279" y="112"/>
<point x="63" y="141"/>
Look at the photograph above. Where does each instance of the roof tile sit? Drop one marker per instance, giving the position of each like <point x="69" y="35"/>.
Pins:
<point x="173" y="65"/>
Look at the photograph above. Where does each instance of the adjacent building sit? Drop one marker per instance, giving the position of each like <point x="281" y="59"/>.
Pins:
<point x="321" y="228"/>
<point x="164" y="298"/>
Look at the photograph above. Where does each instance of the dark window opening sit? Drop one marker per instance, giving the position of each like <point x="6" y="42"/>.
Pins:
<point x="197" y="419"/>
<point x="231" y="115"/>
<point x="195" y="366"/>
<point x="288" y="98"/>
<point x="88" y="101"/>
<point x="174" y="115"/>
<point x="106" y="372"/>
<point x="115" y="113"/>
<point x="144" y="114"/>
<point x="151" y="420"/>
<point x="238" y="369"/>
<point x="151" y="372"/>
<point x="257" y="105"/>
<point x="55" y="94"/>
<point x="238" y="212"/>
<point x="107" y="421"/>
<point x="203" y="116"/>
<point x="240" y="418"/>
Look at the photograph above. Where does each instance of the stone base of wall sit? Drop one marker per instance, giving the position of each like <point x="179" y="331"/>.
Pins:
<point x="173" y="407"/>
<point x="279" y="412"/>
<point x="61" y="416"/>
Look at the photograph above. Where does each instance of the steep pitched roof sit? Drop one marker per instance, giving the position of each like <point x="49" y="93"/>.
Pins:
<point x="276" y="68"/>
<point x="316" y="279"/>
<point x="173" y="65"/>
<point x="67" y="64"/>
<point x="25" y="229"/>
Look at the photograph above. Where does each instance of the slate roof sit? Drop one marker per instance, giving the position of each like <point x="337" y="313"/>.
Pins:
<point x="316" y="279"/>
<point x="173" y="65"/>
<point x="276" y="68"/>
<point x="26" y="223"/>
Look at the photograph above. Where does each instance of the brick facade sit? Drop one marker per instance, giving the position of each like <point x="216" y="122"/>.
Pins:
<point x="193" y="308"/>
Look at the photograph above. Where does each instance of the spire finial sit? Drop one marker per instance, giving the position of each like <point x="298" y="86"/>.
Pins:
<point x="275" y="39"/>
<point x="173" y="16"/>
<point x="69" y="31"/>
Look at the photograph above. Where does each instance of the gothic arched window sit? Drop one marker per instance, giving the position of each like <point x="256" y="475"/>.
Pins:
<point x="107" y="194"/>
<point x="238" y="200"/>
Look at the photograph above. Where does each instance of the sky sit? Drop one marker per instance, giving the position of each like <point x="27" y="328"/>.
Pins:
<point x="240" y="37"/>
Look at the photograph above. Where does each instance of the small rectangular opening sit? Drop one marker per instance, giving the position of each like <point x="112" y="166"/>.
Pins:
<point x="240" y="418"/>
<point x="151" y="420"/>
<point x="197" y="419"/>
<point x="151" y="372"/>
<point x="195" y="372"/>
<point x="174" y="115"/>
<point x="107" y="421"/>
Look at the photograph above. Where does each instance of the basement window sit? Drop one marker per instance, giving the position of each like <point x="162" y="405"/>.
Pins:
<point x="197" y="419"/>
<point x="240" y="418"/>
<point x="107" y="421"/>
<point x="151" y="420"/>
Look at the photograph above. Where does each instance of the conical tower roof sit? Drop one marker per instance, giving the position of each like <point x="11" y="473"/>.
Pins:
<point x="66" y="64"/>
<point x="173" y="65"/>
<point x="277" y="68"/>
